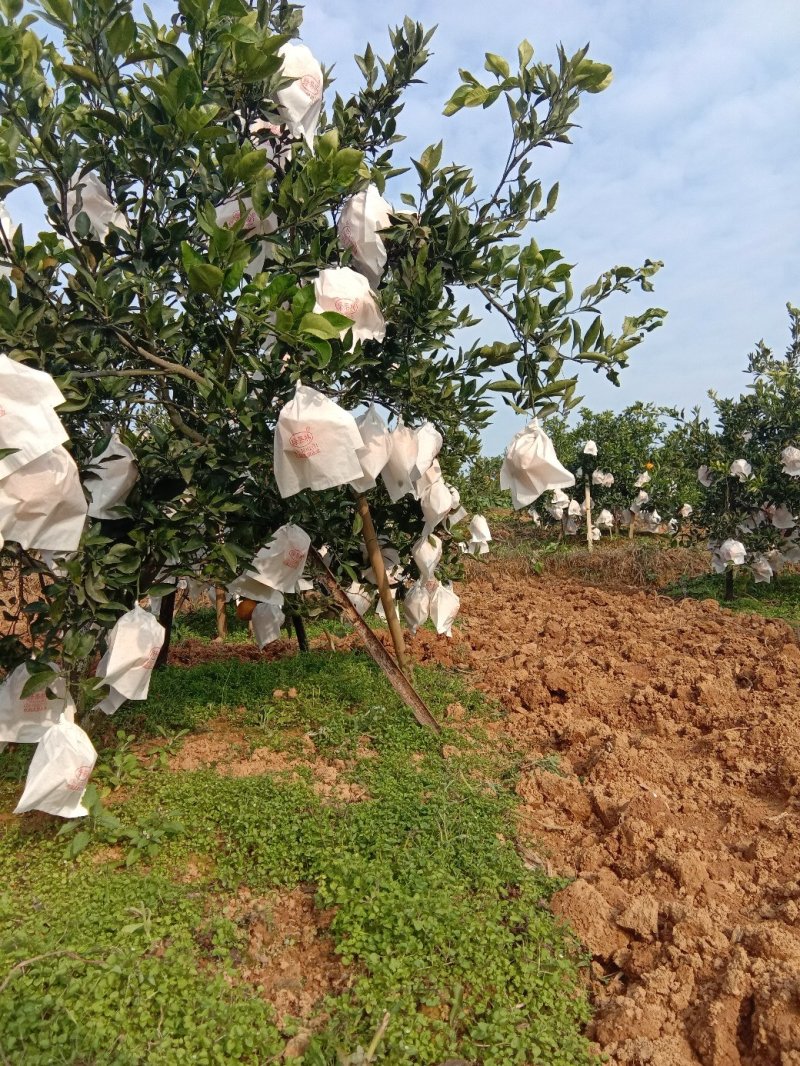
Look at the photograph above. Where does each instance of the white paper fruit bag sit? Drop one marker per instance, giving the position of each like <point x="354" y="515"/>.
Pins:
<point x="427" y="554"/>
<point x="436" y="503"/>
<point x="363" y="216"/>
<point x="429" y="444"/>
<point x="59" y="771"/>
<point x="360" y="597"/>
<point x="531" y="467"/>
<point x="790" y="457"/>
<point x="342" y="290"/>
<point x="416" y="606"/>
<point x="110" y="479"/>
<point x="317" y="444"/>
<point x="28" y="422"/>
<point x="279" y="566"/>
<point x="25" y="721"/>
<point x="267" y="619"/>
<point x="444" y="605"/>
<point x="133" y="647"/>
<point x="42" y="504"/>
<point x="89" y="194"/>
<point x="397" y="474"/>
<point x="300" y="103"/>
<point x="375" y="448"/>
<point x="479" y="535"/>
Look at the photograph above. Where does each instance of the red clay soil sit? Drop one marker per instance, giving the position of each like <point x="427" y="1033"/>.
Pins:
<point x="289" y="956"/>
<point x="675" y="805"/>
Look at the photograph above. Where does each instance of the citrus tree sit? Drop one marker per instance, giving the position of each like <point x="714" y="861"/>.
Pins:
<point x="748" y="465"/>
<point x="642" y="447"/>
<point x="194" y="178"/>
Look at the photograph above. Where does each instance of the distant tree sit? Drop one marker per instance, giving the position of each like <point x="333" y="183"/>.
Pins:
<point x="751" y="494"/>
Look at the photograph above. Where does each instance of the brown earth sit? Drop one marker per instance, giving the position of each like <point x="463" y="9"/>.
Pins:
<point x="228" y="751"/>
<point x="288" y="955"/>
<point x="673" y="802"/>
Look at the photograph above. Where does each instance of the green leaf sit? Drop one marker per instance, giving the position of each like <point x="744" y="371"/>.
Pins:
<point x="162" y="588"/>
<point x="204" y="277"/>
<point x="525" y="53"/>
<point x="593" y="77"/>
<point x="80" y="73"/>
<point x="82" y="225"/>
<point x="230" y="557"/>
<point x="504" y="386"/>
<point x="121" y="34"/>
<point x="38" y="680"/>
<point x="552" y="197"/>
<point x="497" y="65"/>
<point x="321" y="326"/>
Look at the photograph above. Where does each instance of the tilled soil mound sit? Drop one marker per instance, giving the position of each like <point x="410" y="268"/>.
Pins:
<point x="673" y="802"/>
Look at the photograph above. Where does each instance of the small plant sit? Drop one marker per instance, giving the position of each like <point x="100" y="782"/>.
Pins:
<point x="122" y="767"/>
<point x="142" y="840"/>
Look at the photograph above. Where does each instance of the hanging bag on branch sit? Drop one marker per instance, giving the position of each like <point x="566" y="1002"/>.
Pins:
<point x="427" y="554"/>
<point x="42" y="504"/>
<point x="444" y="605"/>
<point x="531" y="467"/>
<point x="300" y="103"/>
<point x="110" y="478"/>
<point x="267" y="619"/>
<point x="28" y="423"/>
<point x="132" y="650"/>
<point x="363" y="216"/>
<point x="360" y="597"/>
<point x="416" y="606"/>
<point x="480" y="536"/>
<point x="59" y="771"/>
<point x="25" y="721"/>
<point x="90" y="196"/>
<point x="317" y="444"/>
<point x="397" y="474"/>
<point x="375" y="447"/>
<point x="342" y="290"/>
<point x="277" y="567"/>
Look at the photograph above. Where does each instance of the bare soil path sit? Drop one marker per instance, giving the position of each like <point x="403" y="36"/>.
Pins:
<point x="674" y="801"/>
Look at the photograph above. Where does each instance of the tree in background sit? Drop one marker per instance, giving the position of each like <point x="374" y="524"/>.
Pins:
<point x="749" y="466"/>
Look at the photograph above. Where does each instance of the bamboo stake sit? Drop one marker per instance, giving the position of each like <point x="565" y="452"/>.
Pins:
<point x="382" y="581"/>
<point x="222" y="618"/>
<point x="397" y="679"/>
<point x="588" y="498"/>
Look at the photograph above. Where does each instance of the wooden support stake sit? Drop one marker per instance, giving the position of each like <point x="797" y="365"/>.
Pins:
<point x="588" y="498"/>
<point x="397" y="679"/>
<point x="382" y="581"/>
<point x="222" y="618"/>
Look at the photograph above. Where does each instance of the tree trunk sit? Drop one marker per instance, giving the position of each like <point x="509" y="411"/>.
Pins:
<point x="728" y="586"/>
<point x="382" y="581"/>
<point x="166" y="613"/>
<point x="632" y="527"/>
<point x="222" y="618"/>
<point x="300" y="632"/>
<point x="588" y="498"/>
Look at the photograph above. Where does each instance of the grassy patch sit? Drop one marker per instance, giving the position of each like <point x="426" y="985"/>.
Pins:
<point x="778" y="599"/>
<point x="201" y="624"/>
<point x="435" y="915"/>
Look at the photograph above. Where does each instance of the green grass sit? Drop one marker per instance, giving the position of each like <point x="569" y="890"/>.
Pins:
<point x="778" y="599"/>
<point x="436" y="914"/>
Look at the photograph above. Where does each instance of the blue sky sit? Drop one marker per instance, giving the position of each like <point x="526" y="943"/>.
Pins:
<point x="691" y="156"/>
